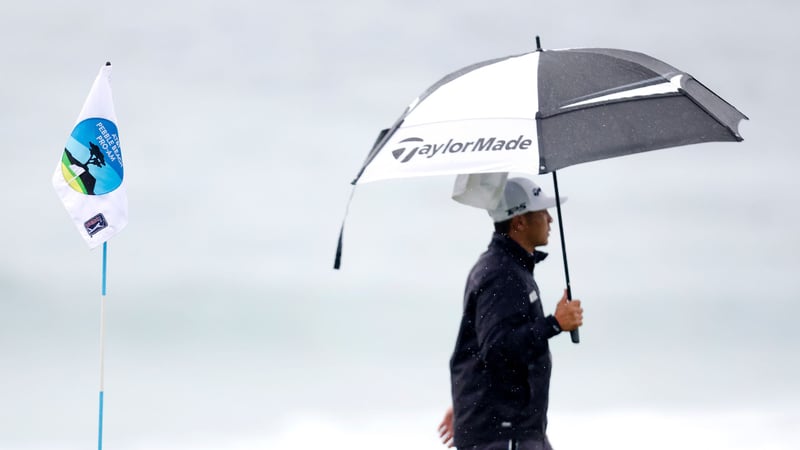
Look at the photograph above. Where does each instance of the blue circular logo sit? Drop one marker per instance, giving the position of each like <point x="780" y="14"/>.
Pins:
<point x="92" y="159"/>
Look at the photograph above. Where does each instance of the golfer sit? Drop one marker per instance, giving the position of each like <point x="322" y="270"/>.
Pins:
<point x="500" y="368"/>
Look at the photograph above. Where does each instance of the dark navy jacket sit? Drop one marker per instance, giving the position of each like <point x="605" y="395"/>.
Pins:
<point x="500" y="368"/>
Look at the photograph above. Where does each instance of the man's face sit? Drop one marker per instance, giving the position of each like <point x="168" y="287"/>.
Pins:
<point x="537" y="227"/>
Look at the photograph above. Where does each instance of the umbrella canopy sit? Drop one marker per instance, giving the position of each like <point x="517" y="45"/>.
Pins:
<point x="548" y="109"/>
<point x="542" y="111"/>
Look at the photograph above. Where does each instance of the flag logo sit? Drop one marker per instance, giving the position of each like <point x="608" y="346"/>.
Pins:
<point x="95" y="224"/>
<point x="92" y="160"/>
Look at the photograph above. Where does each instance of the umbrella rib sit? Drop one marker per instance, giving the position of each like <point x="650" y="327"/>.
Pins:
<point x="643" y="84"/>
<point x="558" y="112"/>
<point x="383" y="136"/>
<point x="734" y="132"/>
<point x="720" y="98"/>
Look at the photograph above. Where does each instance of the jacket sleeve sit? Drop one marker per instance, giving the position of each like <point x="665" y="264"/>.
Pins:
<point x="507" y="327"/>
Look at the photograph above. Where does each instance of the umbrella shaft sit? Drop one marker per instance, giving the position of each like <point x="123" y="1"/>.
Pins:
<point x="574" y="333"/>
<point x="561" y="234"/>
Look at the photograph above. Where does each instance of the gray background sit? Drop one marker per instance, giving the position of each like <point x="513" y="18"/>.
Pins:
<point x="242" y="124"/>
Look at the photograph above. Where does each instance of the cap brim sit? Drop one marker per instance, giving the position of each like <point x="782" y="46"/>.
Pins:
<point x="551" y="202"/>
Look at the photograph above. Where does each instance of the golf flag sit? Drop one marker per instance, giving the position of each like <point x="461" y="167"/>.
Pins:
<point x="89" y="178"/>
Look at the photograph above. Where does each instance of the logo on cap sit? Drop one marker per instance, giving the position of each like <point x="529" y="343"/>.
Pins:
<point x="95" y="224"/>
<point x="537" y="191"/>
<point x="517" y="208"/>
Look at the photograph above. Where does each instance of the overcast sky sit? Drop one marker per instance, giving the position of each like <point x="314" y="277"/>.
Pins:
<point x="242" y="124"/>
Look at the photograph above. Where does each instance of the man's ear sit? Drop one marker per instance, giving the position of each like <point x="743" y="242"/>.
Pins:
<point x="518" y="222"/>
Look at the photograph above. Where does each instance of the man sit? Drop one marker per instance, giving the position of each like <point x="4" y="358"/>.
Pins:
<point x="500" y="368"/>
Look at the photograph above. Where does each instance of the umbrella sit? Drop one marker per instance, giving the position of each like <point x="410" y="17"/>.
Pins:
<point x="545" y="110"/>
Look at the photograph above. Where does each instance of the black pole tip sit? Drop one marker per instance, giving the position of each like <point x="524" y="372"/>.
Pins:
<point x="108" y="63"/>
<point x="538" y="44"/>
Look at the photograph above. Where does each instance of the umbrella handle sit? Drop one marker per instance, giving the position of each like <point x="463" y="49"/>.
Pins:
<point x="574" y="334"/>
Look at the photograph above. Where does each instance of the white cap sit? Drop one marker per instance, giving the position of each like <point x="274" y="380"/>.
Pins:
<point x="521" y="195"/>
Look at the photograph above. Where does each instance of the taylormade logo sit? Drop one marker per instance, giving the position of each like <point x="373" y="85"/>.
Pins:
<point x="417" y="147"/>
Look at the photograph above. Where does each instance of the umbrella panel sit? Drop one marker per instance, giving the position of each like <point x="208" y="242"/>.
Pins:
<point x="626" y="127"/>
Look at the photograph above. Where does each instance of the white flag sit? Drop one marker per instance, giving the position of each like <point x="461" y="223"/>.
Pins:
<point x="89" y="178"/>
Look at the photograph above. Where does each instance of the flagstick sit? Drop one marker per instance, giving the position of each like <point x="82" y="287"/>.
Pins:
<point x="576" y="338"/>
<point x="102" y="342"/>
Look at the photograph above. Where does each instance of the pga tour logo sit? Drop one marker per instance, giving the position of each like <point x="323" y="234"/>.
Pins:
<point x="95" y="224"/>
<point x="417" y="147"/>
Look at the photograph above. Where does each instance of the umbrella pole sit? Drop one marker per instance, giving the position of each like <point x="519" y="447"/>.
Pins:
<point x="574" y="333"/>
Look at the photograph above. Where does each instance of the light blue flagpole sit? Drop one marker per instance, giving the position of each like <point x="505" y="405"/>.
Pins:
<point x="102" y="341"/>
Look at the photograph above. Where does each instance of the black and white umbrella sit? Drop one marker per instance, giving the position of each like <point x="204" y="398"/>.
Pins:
<point x="546" y="110"/>
<point x="541" y="111"/>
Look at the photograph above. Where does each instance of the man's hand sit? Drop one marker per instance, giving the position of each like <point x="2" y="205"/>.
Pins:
<point x="569" y="314"/>
<point x="446" y="428"/>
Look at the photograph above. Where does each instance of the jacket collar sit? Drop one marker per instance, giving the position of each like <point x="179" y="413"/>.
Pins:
<point x="518" y="253"/>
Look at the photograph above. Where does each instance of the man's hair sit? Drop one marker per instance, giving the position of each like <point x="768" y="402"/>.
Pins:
<point x="503" y="227"/>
